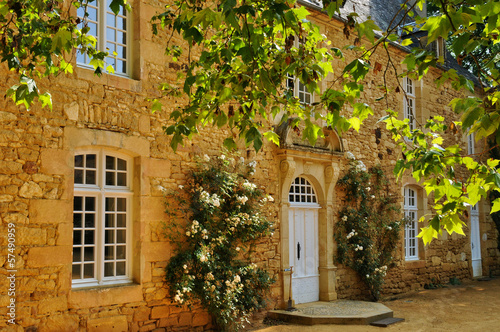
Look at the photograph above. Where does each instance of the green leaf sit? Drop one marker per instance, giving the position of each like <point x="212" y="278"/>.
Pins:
<point x="272" y="137"/>
<point x="496" y="206"/>
<point x="427" y="234"/>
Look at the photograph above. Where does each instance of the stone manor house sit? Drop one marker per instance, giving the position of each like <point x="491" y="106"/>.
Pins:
<point x="82" y="185"/>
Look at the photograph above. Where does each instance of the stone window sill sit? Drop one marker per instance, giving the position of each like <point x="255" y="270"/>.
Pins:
<point x="81" y="298"/>
<point x="416" y="264"/>
<point x="115" y="81"/>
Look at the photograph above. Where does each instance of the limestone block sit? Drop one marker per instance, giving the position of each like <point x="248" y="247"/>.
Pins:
<point x="156" y="167"/>
<point x="77" y="137"/>
<point x="10" y="167"/>
<point x="170" y="321"/>
<point x="72" y="111"/>
<point x="156" y="251"/>
<point x="53" y="304"/>
<point x="65" y="234"/>
<point x="153" y="209"/>
<point x="87" y="298"/>
<point x="31" y="236"/>
<point x="160" y="312"/>
<point x="7" y="117"/>
<point x="59" y="323"/>
<point x="55" y="161"/>
<point x="30" y="190"/>
<point x="142" y="314"/>
<point x="49" y="256"/>
<point x="185" y="319"/>
<point x="201" y="318"/>
<point x="48" y="211"/>
<point x="144" y="124"/>
<point x="6" y="198"/>
<point x="28" y="154"/>
<point x="17" y="218"/>
<point x="108" y="324"/>
<point x="436" y="261"/>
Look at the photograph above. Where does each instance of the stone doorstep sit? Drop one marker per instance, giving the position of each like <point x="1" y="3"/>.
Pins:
<point x="340" y="312"/>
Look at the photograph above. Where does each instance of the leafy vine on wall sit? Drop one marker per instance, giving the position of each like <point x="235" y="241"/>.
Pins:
<point x="216" y="218"/>
<point x="369" y="227"/>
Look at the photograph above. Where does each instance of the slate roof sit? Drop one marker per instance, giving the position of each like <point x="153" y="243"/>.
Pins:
<point x="383" y="12"/>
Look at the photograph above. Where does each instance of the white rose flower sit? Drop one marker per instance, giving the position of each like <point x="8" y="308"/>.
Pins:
<point x="206" y="158"/>
<point x="180" y="186"/>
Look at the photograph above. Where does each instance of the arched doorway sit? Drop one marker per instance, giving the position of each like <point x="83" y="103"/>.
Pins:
<point x="303" y="235"/>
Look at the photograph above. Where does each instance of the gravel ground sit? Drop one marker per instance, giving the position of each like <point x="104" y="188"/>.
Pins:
<point x="472" y="306"/>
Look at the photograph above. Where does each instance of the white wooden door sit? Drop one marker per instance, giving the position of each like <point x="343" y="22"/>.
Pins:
<point x="304" y="253"/>
<point x="475" y="242"/>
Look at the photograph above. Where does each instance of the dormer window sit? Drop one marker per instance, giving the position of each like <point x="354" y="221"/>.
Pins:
<point x="438" y="47"/>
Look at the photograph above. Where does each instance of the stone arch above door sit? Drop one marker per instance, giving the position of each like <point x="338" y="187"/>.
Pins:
<point x="290" y="138"/>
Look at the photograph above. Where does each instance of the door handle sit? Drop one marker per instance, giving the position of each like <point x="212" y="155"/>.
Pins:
<point x="298" y="251"/>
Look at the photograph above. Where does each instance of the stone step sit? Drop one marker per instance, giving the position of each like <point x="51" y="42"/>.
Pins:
<point x="340" y="312"/>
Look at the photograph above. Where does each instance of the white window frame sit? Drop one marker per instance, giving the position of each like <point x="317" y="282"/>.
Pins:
<point x="409" y="101"/>
<point x="298" y="88"/>
<point x="104" y="28"/>
<point x="411" y="226"/>
<point x="100" y="191"/>
<point x="471" y="149"/>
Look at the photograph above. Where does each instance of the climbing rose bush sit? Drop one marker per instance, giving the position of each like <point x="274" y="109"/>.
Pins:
<point x="215" y="221"/>
<point x="368" y="231"/>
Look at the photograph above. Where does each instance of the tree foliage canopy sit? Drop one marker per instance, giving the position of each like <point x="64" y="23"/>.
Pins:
<point x="245" y="50"/>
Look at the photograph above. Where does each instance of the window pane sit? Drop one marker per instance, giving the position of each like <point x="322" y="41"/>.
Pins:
<point x="110" y="204"/>
<point x="121" y="53"/>
<point x="77" y="220"/>
<point x="121" y="220"/>
<point x="110" y="20"/>
<point x="110" y="162"/>
<point x="110" y="35"/>
<point x="78" y="176"/>
<point x="89" y="221"/>
<point x="77" y="237"/>
<point x="109" y="269"/>
<point x="79" y="161"/>
<point x="109" y="236"/>
<point x="121" y="37"/>
<point x="122" y="204"/>
<point x="90" y="159"/>
<point x="121" y="179"/>
<point x="110" y="220"/>
<point x="120" y="236"/>
<point x="77" y="254"/>
<point x="89" y="254"/>
<point x="120" y="252"/>
<point x="75" y="273"/>
<point x="77" y="203"/>
<point x="92" y="13"/>
<point x="110" y="178"/>
<point x="89" y="203"/>
<point x="88" y="271"/>
<point x="121" y="23"/>
<point x="120" y="268"/>
<point x="121" y="66"/>
<point x="93" y="29"/>
<point x="90" y="177"/>
<point x="109" y="253"/>
<point x="122" y="165"/>
<point x="89" y="237"/>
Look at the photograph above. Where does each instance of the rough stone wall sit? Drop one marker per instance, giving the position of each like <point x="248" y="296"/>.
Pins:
<point x="36" y="194"/>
